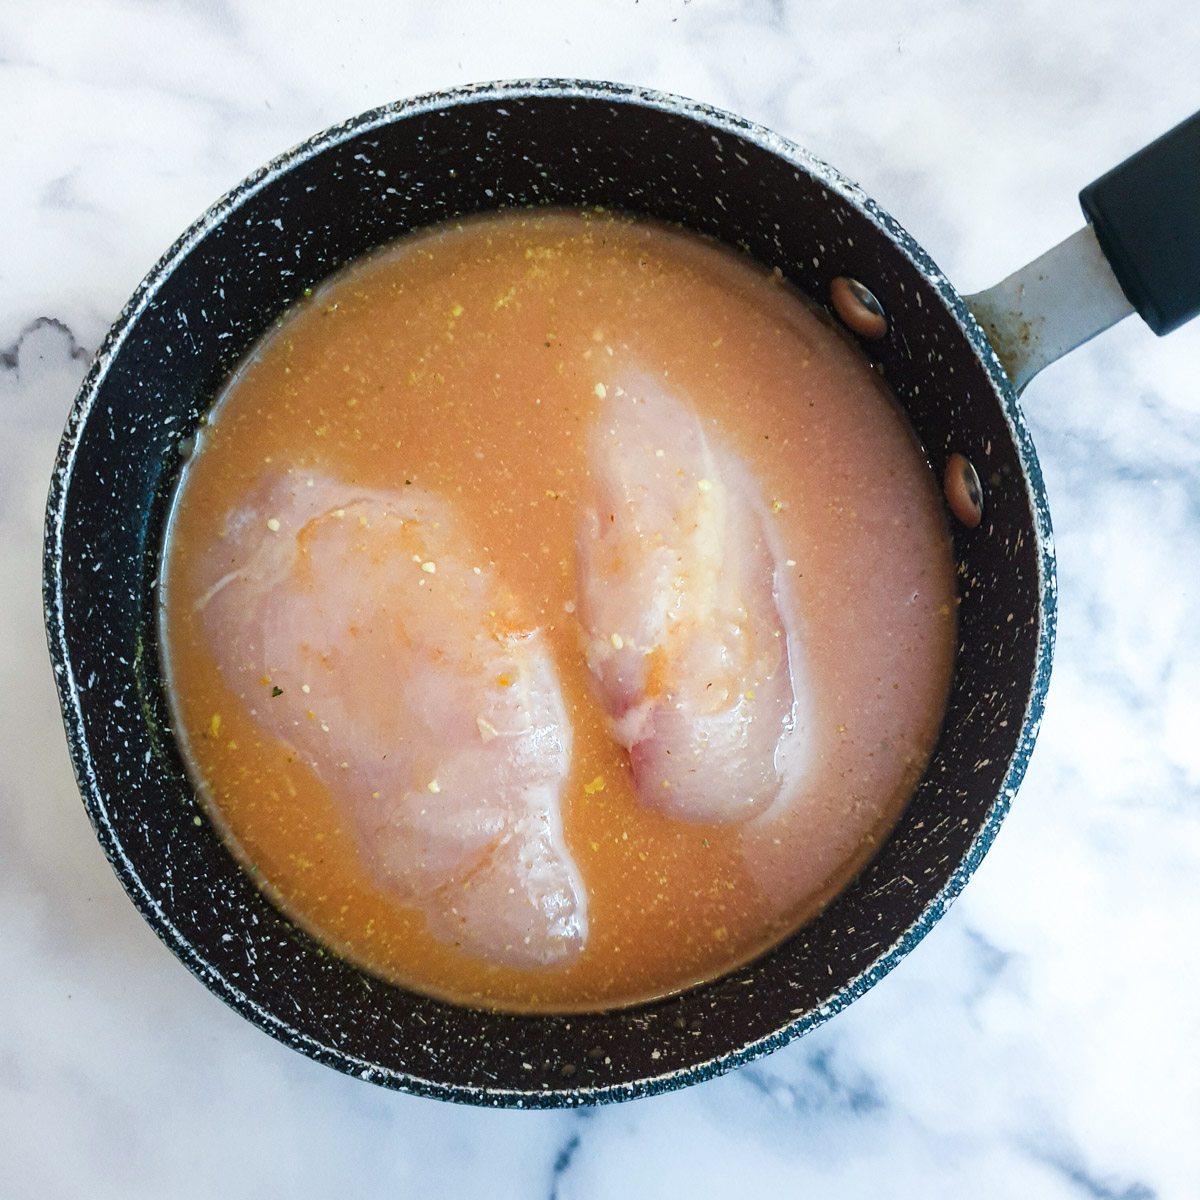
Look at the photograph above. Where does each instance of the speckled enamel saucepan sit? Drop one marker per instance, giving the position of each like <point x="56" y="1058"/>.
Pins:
<point x="398" y="168"/>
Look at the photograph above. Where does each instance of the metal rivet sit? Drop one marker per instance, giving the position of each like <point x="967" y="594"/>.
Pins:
<point x="857" y="306"/>
<point x="964" y="492"/>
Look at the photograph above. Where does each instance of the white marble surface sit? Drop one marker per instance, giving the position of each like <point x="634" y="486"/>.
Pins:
<point x="1043" y="1041"/>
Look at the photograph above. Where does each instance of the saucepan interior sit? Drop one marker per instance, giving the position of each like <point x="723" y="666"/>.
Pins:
<point x="229" y="278"/>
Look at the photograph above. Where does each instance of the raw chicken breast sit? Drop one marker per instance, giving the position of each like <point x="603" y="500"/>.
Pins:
<point x="363" y="629"/>
<point x="688" y="636"/>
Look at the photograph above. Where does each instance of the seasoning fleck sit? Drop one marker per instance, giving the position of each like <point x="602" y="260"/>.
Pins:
<point x="434" y="786"/>
<point x="597" y="785"/>
<point x="429" y="568"/>
<point x="618" y="642"/>
<point x="273" y="524"/>
<point x="601" y="391"/>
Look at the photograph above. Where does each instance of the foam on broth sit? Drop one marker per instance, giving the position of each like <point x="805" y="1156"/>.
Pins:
<point x="472" y="361"/>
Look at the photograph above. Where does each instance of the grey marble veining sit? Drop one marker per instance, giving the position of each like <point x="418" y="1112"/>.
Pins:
<point x="1042" y="1041"/>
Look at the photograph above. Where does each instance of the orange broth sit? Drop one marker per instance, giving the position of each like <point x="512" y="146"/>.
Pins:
<point x="466" y="359"/>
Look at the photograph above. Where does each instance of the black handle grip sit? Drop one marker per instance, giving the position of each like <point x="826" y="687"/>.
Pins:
<point x="1146" y="214"/>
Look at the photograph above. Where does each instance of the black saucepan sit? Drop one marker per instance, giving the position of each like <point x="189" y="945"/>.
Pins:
<point x="230" y="276"/>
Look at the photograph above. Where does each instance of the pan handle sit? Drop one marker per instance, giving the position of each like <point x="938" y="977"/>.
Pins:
<point x="1146" y="214"/>
<point x="1140" y="251"/>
